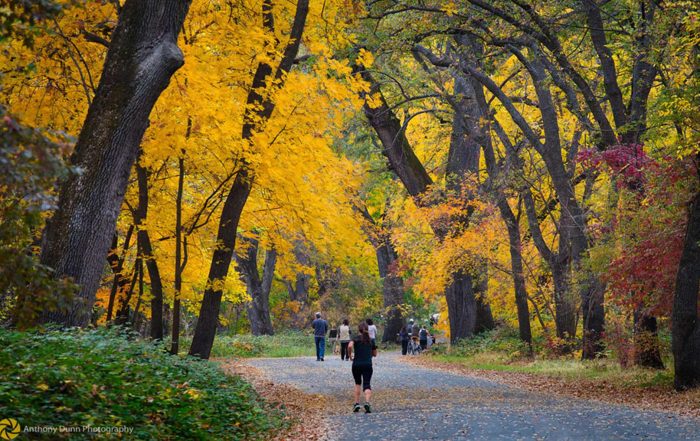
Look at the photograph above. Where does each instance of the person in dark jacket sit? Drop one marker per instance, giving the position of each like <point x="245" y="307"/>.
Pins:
<point x="364" y="350"/>
<point x="423" y="335"/>
<point x="320" y="328"/>
<point x="404" y="336"/>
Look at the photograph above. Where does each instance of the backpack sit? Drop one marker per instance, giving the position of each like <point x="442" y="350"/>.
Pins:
<point x="423" y="334"/>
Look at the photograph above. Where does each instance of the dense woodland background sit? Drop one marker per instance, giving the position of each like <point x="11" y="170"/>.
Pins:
<point x="194" y="168"/>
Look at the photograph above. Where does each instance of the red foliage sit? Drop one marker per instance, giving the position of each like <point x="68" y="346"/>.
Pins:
<point x="651" y="230"/>
<point x="644" y="275"/>
<point x="627" y="162"/>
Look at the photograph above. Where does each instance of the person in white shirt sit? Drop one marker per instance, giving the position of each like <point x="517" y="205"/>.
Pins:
<point x="372" y="331"/>
<point x="344" y="337"/>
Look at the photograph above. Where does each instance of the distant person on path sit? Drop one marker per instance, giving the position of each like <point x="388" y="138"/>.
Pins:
<point x="404" y="336"/>
<point x="372" y="331"/>
<point x="344" y="336"/>
<point x="362" y="365"/>
<point x="423" y="336"/>
<point x="320" y="328"/>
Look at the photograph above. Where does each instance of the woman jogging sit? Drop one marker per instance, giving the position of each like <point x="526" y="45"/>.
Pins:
<point x="362" y="365"/>
<point x="344" y="337"/>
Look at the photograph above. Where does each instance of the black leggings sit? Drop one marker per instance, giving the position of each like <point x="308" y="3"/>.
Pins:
<point x="344" y="350"/>
<point x="362" y="375"/>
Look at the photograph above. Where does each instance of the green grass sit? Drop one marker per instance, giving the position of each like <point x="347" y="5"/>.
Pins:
<point x="283" y="344"/>
<point x="502" y="351"/>
<point x="102" y="378"/>
<point x="286" y="344"/>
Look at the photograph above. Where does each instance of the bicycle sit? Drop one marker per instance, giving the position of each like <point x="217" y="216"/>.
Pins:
<point x="413" y="347"/>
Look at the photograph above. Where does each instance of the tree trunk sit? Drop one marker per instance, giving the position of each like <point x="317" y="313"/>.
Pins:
<point x="484" y="316"/>
<point x="392" y="290"/>
<point x="116" y="262"/>
<point x="122" y="316"/>
<point x="258" y="111"/>
<point x="146" y="255"/>
<point x="686" y="323"/>
<point x="258" y="288"/>
<point x="564" y="303"/>
<point x="179" y="264"/>
<point x="461" y="307"/>
<point x="142" y="56"/>
<point x="299" y="290"/>
<point x="516" y="262"/>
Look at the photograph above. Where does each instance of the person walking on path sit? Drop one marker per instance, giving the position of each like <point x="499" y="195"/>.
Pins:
<point x="404" y="336"/>
<point x="362" y="371"/>
<point x="423" y="335"/>
<point x="320" y="328"/>
<point x="344" y="336"/>
<point x="372" y="331"/>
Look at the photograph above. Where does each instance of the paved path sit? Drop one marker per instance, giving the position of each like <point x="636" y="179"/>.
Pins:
<point x="415" y="403"/>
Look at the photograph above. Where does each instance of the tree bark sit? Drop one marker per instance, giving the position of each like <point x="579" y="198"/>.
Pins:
<point x="258" y="287"/>
<point x="116" y="262"/>
<point x="299" y="289"/>
<point x="259" y="108"/>
<point x="685" y="327"/>
<point x="516" y="262"/>
<point x="392" y="289"/>
<point x="142" y="56"/>
<point x="179" y="264"/>
<point x="146" y="254"/>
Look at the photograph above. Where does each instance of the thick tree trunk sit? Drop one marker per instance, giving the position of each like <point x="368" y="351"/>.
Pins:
<point x="392" y="290"/>
<point x="462" y="162"/>
<point x="593" y="313"/>
<point x="142" y="56"/>
<point x="484" y="316"/>
<point x="461" y="307"/>
<point x="392" y="283"/>
<point x="146" y="255"/>
<point x="259" y="109"/>
<point x="686" y="323"/>
<point x="564" y="302"/>
<point x="258" y="287"/>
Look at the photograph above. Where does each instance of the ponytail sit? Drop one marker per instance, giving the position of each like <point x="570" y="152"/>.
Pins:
<point x="364" y="332"/>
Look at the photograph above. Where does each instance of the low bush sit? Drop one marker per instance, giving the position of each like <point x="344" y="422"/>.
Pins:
<point x="286" y="344"/>
<point x="104" y="378"/>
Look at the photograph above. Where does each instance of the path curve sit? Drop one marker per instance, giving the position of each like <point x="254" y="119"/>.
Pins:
<point x="415" y="403"/>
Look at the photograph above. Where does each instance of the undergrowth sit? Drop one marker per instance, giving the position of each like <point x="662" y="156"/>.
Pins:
<point x="105" y="378"/>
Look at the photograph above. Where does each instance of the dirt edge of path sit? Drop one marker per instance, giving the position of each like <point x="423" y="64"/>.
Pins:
<point x="304" y="411"/>
<point x="651" y="399"/>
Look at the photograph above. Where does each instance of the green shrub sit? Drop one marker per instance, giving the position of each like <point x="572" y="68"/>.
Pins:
<point x="101" y="378"/>
<point x="502" y="340"/>
<point x="286" y="344"/>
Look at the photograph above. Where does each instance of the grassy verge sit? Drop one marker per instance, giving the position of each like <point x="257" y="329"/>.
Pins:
<point x="101" y="378"/>
<point x="501" y="351"/>
<point x="567" y="369"/>
<point x="287" y="344"/>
